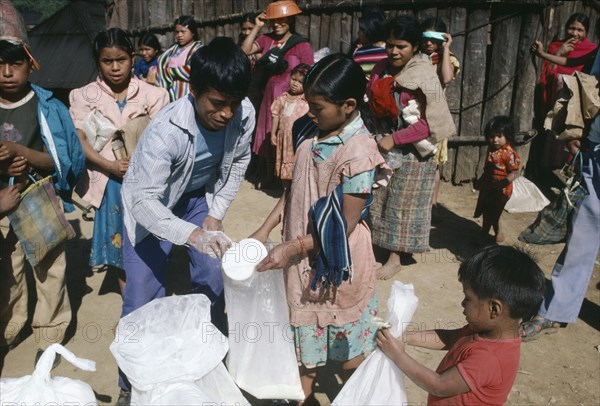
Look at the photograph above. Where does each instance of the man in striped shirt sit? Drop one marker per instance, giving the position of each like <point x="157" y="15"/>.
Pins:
<point x="184" y="174"/>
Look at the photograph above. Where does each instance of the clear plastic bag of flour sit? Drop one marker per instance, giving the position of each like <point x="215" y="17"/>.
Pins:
<point x="169" y="349"/>
<point x="40" y="388"/>
<point x="262" y="358"/>
<point x="378" y="381"/>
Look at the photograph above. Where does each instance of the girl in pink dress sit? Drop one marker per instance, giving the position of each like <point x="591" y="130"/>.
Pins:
<point x="286" y="109"/>
<point x="326" y="255"/>
<point x="282" y="50"/>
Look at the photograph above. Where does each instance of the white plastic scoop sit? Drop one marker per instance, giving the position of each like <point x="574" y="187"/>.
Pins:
<point x="239" y="261"/>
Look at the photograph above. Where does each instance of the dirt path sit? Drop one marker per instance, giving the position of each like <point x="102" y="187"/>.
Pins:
<point x="562" y="369"/>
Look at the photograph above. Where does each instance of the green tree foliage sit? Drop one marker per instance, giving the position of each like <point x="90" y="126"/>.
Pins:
<point x="45" y="7"/>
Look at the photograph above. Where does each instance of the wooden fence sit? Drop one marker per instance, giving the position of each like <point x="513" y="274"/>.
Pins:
<point x="491" y="39"/>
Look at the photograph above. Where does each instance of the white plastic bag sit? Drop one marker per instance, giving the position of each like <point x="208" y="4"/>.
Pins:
<point x="215" y="388"/>
<point x="40" y="388"/>
<point x="168" y="347"/>
<point x="321" y="53"/>
<point x="98" y="129"/>
<point x="262" y="358"/>
<point x="526" y="197"/>
<point x="378" y="381"/>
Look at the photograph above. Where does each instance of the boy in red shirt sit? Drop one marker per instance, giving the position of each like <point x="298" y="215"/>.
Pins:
<point x="501" y="286"/>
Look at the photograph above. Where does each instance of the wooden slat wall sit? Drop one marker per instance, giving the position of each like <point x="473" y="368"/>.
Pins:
<point x="473" y="86"/>
<point x="457" y="18"/>
<point x="490" y="55"/>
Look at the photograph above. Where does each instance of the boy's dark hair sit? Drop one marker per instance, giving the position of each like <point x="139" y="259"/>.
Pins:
<point x="405" y="27"/>
<point x="113" y="37"/>
<point x="500" y="125"/>
<point x="190" y="24"/>
<point x="150" y="40"/>
<point x="435" y="24"/>
<point x="12" y="53"/>
<point x="580" y="18"/>
<point x="373" y="24"/>
<point x="221" y="65"/>
<point x="508" y="274"/>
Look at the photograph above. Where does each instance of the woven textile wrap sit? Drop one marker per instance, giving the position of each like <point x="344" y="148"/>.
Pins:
<point x="334" y="262"/>
<point x="550" y="226"/>
<point x="39" y="222"/>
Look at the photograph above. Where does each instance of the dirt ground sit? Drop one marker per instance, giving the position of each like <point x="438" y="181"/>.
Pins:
<point x="559" y="369"/>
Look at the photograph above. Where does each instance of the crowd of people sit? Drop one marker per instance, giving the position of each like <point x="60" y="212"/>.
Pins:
<point x="356" y="142"/>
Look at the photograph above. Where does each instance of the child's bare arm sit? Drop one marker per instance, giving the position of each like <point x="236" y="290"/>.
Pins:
<point x="353" y="206"/>
<point x="446" y="384"/>
<point x="432" y="339"/>
<point x="117" y="167"/>
<point x="274" y="129"/>
<point x="447" y="73"/>
<point x="272" y="220"/>
<point x="538" y="49"/>
<point x="41" y="161"/>
<point x="279" y="256"/>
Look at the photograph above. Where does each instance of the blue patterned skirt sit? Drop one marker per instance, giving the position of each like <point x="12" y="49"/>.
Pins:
<point x="107" y="247"/>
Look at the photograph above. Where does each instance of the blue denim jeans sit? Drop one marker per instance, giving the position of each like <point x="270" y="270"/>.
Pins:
<point x="573" y="269"/>
<point x="146" y="268"/>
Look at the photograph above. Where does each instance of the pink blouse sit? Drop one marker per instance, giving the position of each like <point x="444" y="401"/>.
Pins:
<point x="142" y="99"/>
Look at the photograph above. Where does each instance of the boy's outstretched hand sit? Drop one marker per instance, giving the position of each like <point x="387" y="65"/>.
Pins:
<point x="390" y="345"/>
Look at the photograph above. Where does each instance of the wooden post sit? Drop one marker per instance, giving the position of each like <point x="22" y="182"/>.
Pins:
<point x="262" y="4"/>
<point x="425" y="13"/>
<point x="210" y="31"/>
<point x="187" y="7"/>
<point x="502" y="71"/>
<point x="303" y="25"/>
<point x="325" y="29"/>
<point x="346" y="36"/>
<point x="354" y="30"/>
<point x="335" y="32"/>
<point x="315" y="28"/>
<point x="457" y="22"/>
<point x="223" y="8"/>
<point x="523" y="101"/>
<point x="475" y="56"/>
<point x="199" y="12"/>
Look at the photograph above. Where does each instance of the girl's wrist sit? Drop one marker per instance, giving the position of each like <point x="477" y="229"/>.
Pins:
<point x="302" y="247"/>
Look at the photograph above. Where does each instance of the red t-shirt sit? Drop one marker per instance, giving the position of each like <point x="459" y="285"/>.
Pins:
<point x="489" y="367"/>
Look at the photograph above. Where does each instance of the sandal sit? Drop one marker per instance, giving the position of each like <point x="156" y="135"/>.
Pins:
<point x="535" y="327"/>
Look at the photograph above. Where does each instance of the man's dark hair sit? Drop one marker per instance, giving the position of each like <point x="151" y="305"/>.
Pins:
<point x="12" y="53"/>
<point x="508" y="274"/>
<point x="221" y="65"/>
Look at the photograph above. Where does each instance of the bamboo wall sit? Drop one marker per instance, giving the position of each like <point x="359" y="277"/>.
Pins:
<point x="491" y="39"/>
